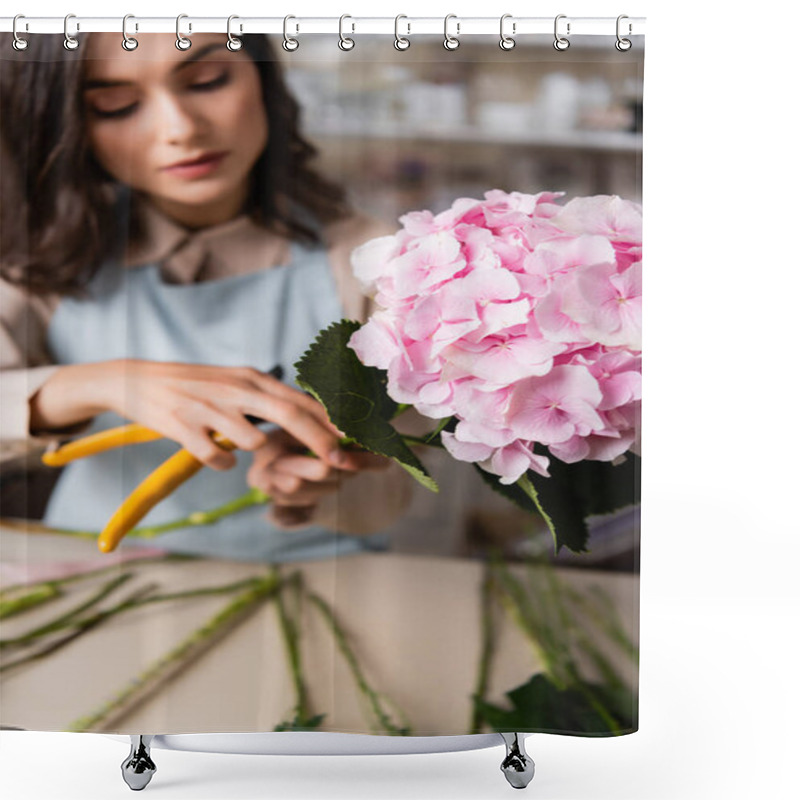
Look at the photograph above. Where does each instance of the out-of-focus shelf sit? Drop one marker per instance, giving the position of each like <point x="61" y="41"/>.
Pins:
<point x="607" y="141"/>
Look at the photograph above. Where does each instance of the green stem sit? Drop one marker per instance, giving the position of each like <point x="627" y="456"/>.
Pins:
<point x="409" y="439"/>
<point x="188" y="651"/>
<point x="603" y="613"/>
<point x="487" y="650"/>
<point x="160" y="598"/>
<point x="524" y="483"/>
<point x="82" y="627"/>
<point x="68" y="616"/>
<point x="512" y="595"/>
<point x="568" y="630"/>
<point x="195" y="519"/>
<point x="33" y="599"/>
<point x="91" y="573"/>
<point x="291" y="640"/>
<point x="372" y="697"/>
<point x="210" y="590"/>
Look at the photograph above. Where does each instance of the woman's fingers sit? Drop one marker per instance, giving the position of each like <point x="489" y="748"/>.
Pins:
<point x="287" y="488"/>
<point x="200" y="444"/>
<point x="201" y="423"/>
<point x="305" y="425"/>
<point x="306" y="494"/>
<point x="280" y="470"/>
<point x="188" y="402"/>
<point x="236" y="429"/>
<point x="268" y="383"/>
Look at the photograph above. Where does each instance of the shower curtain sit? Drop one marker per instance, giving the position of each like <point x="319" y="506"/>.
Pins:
<point x="247" y="254"/>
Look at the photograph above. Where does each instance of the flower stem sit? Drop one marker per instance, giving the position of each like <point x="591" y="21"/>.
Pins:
<point x="487" y="650"/>
<point x="372" y="697"/>
<point x="68" y="616"/>
<point x="196" y="518"/>
<point x="517" y="603"/>
<point x="188" y="651"/>
<point x="210" y="590"/>
<point x="291" y="640"/>
<point x="601" y="610"/>
<point x="158" y="598"/>
<point x="82" y="626"/>
<point x="57" y="582"/>
<point x="251" y="498"/>
<point x="409" y="439"/>
<point x="32" y="599"/>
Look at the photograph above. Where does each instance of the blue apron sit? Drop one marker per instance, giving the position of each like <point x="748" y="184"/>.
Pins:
<point x="260" y="319"/>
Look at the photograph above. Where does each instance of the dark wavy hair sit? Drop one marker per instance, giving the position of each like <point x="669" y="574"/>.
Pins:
<point x="58" y="217"/>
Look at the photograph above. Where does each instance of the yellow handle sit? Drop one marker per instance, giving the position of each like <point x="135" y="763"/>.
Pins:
<point x="98" y="442"/>
<point x="161" y="482"/>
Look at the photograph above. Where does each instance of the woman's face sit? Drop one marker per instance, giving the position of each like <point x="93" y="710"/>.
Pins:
<point x="183" y="127"/>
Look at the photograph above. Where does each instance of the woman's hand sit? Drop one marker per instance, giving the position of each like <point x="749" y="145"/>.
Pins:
<point x="297" y="482"/>
<point x="186" y="402"/>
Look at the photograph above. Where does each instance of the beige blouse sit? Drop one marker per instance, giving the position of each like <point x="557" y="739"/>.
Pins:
<point x="186" y="256"/>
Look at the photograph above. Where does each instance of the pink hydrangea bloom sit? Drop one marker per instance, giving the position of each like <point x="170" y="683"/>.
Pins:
<point x="517" y="315"/>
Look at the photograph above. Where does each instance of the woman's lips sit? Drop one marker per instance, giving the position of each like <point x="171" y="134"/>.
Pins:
<point x="202" y="166"/>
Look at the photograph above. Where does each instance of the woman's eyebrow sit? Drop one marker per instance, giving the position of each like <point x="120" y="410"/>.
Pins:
<point x="102" y="83"/>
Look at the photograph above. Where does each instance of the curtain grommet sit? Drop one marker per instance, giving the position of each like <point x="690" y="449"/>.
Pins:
<point x="507" y="42"/>
<point x="290" y="44"/>
<point x="129" y="43"/>
<point x="70" y="42"/>
<point x="560" y="43"/>
<point x="181" y="42"/>
<point x="345" y="42"/>
<point x="18" y="43"/>
<point x="451" y="42"/>
<point x="623" y="45"/>
<point x="400" y="42"/>
<point x="234" y="44"/>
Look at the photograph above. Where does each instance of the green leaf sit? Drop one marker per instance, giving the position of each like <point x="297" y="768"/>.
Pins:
<point x="298" y="723"/>
<point x="511" y="491"/>
<point x="355" y="397"/>
<point x="524" y="495"/>
<point x="448" y="423"/>
<point x="539" y="705"/>
<point x="572" y="493"/>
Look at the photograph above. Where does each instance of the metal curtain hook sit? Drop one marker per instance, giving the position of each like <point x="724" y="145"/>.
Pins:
<point x="345" y="43"/>
<point x="18" y="43"/>
<point x="623" y="44"/>
<point x="451" y="42"/>
<point x="507" y="42"/>
<point x="561" y="42"/>
<point x="128" y="42"/>
<point x="233" y="44"/>
<point x="70" y="42"/>
<point x="289" y="44"/>
<point x="182" y="43"/>
<point x="400" y="42"/>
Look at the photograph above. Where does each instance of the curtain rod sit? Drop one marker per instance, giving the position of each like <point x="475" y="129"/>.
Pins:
<point x="297" y="25"/>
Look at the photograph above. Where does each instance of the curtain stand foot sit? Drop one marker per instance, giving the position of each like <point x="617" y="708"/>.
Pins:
<point x="138" y="768"/>
<point x="517" y="766"/>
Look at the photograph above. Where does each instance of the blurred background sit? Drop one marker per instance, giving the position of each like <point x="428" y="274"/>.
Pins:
<point x="419" y="128"/>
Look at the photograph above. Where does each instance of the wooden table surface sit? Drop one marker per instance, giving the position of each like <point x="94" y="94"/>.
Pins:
<point x="414" y="623"/>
